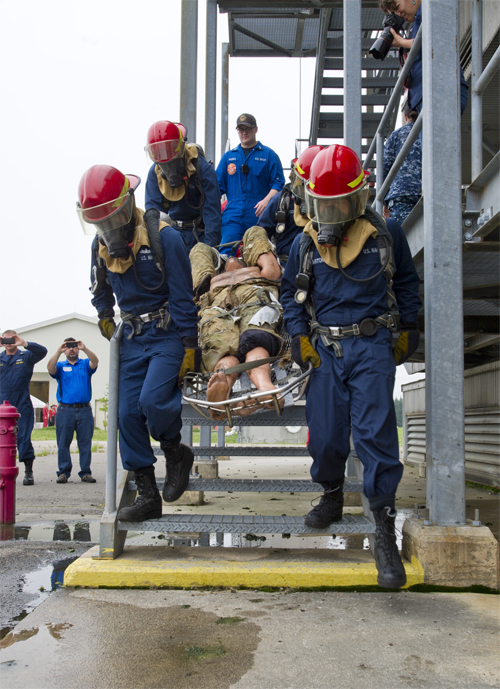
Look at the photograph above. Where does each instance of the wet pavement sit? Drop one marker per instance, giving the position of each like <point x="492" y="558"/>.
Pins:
<point x="168" y="639"/>
<point x="245" y="639"/>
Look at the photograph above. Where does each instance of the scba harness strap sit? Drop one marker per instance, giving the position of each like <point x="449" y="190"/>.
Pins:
<point x="99" y="270"/>
<point x="305" y="280"/>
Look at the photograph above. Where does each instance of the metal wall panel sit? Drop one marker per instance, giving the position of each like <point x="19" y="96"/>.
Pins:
<point x="482" y="423"/>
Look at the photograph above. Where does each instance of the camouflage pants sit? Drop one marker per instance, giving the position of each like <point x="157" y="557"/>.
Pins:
<point x="225" y="312"/>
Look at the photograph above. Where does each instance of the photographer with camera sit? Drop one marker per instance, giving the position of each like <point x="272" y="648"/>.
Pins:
<point x="410" y="11"/>
<point x="16" y="369"/>
<point x="339" y="292"/>
<point x="74" y="413"/>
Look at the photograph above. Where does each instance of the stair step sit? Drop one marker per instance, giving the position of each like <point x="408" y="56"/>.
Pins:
<point x="366" y="63"/>
<point x="366" y="82"/>
<point x="371" y="99"/>
<point x="338" y="44"/>
<point x="247" y="451"/>
<point x="238" y="523"/>
<point x="232" y="485"/>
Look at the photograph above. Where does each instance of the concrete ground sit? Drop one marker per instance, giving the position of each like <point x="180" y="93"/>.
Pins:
<point x="253" y="639"/>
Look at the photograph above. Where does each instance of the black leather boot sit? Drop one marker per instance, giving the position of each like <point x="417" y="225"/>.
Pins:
<point x="391" y="571"/>
<point x="147" y="504"/>
<point x="179" y="460"/>
<point x="28" y="479"/>
<point x="328" y="510"/>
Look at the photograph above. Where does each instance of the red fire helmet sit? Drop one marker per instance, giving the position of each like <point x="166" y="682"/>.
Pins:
<point x="337" y="175"/>
<point x="165" y="141"/>
<point x="302" y="169"/>
<point x="105" y="199"/>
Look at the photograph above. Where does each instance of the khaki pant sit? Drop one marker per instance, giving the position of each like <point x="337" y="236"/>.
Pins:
<point x="225" y="312"/>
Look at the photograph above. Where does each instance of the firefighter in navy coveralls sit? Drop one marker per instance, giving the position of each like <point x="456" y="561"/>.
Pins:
<point x="339" y="315"/>
<point x="183" y="184"/>
<point x="285" y="216"/>
<point x="146" y="265"/>
<point x="16" y="369"/>
<point x="250" y="175"/>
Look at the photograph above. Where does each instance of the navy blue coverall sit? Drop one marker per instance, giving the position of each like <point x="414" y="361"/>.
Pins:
<point x="356" y="389"/>
<point x="283" y="240"/>
<point x="15" y="375"/>
<point x="187" y="209"/>
<point x="415" y="77"/>
<point x="243" y="192"/>
<point x="151" y="360"/>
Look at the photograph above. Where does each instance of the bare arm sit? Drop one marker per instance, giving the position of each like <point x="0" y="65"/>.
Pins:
<point x="269" y="266"/>
<point x="261" y="206"/>
<point x="52" y="362"/>
<point x="92" y="357"/>
<point x="400" y="42"/>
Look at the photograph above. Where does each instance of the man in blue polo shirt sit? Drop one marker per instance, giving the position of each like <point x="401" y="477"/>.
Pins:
<point x="250" y="175"/>
<point x="74" y="413"/>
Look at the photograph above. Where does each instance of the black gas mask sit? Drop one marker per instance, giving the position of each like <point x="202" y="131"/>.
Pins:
<point x="117" y="241"/>
<point x="175" y="171"/>
<point x="331" y="235"/>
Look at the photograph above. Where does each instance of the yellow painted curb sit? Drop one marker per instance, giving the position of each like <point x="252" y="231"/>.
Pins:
<point x="180" y="573"/>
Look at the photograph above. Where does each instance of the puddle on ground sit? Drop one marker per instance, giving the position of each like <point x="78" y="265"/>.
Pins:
<point x="40" y="582"/>
<point x="185" y="647"/>
<point x="58" y="530"/>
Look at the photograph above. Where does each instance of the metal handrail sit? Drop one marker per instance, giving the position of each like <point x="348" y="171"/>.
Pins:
<point x="415" y="48"/>
<point x="113" y="397"/>
<point x="487" y="73"/>
<point x="412" y="137"/>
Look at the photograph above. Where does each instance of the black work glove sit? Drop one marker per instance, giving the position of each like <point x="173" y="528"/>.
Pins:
<point x="406" y="343"/>
<point x="192" y="357"/>
<point x="303" y="351"/>
<point x="107" y="326"/>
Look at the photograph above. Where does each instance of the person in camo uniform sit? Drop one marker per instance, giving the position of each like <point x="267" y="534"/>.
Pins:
<point x="406" y="189"/>
<point x="239" y="312"/>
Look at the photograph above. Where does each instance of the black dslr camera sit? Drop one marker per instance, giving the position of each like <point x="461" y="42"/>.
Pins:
<point x="383" y="43"/>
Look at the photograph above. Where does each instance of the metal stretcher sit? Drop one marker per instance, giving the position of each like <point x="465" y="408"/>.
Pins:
<point x="289" y="380"/>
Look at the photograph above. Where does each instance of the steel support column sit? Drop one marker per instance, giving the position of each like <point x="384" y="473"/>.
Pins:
<point x="189" y="63"/>
<point x="444" y="355"/>
<point x="476" y="102"/>
<point x="352" y="75"/>
<point x="211" y="80"/>
<point x="224" y="98"/>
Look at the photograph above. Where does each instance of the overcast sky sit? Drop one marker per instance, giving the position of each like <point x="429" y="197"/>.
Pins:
<point x="82" y="83"/>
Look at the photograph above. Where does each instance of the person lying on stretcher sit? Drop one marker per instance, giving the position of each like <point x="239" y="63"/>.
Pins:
<point x="239" y="313"/>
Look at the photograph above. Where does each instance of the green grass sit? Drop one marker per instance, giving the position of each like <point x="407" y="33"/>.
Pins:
<point x="50" y="434"/>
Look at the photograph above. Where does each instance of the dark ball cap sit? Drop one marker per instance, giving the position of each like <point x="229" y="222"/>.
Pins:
<point x="246" y="120"/>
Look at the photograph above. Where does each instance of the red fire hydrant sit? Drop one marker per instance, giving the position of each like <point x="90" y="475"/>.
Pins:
<point x="8" y="468"/>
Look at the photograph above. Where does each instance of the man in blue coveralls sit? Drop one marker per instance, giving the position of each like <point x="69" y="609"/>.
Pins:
<point x="339" y="294"/>
<point x="74" y="413"/>
<point x="183" y="184"/>
<point x="146" y="265"/>
<point x="250" y="175"/>
<point x="16" y="369"/>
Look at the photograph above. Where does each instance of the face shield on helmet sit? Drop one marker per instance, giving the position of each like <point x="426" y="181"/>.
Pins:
<point x="165" y="147"/>
<point x="331" y="210"/>
<point x="337" y="192"/>
<point x="106" y="207"/>
<point x="165" y="141"/>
